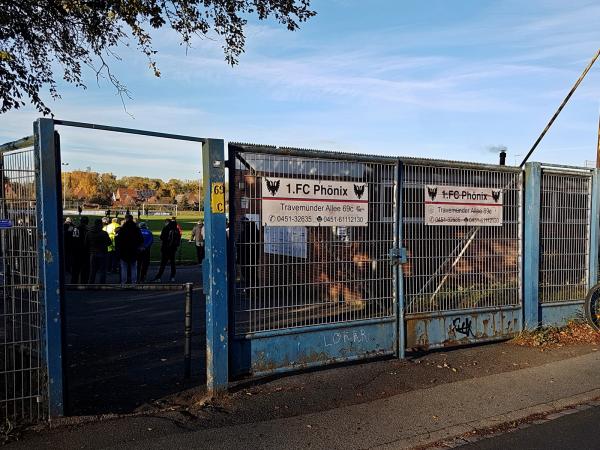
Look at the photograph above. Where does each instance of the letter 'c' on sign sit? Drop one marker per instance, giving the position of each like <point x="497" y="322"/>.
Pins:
<point x="217" y="198"/>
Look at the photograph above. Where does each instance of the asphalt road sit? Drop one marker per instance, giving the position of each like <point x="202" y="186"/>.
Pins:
<point x="574" y="431"/>
<point x="125" y="348"/>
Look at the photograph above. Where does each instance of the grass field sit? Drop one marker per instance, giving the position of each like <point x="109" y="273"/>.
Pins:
<point x="187" y="219"/>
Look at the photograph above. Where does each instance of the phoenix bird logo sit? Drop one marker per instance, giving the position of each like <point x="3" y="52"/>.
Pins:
<point x="272" y="186"/>
<point x="359" y="190"/>
<point x="496" y="195"/>
<point x="432" y="193"/>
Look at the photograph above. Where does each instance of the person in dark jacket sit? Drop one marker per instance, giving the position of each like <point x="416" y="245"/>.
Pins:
<point x="170" y="238"/>
<point x="144" y="255"/>
<point x="129" y="242"/>
<point x="80" y="259"/>
<point x="96" y="243"/>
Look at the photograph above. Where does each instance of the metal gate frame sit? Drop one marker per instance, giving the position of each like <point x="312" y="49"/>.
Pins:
<point x="50" y="288"/>
<point x="215" y="260"/>
<point x="546" y="312"/>
<point x="296" y="347"/>
<point x="44" y="282"/>
<point x="444" y="326"/>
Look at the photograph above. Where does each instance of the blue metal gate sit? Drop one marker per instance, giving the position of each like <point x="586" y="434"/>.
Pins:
<point x="305" y="296"/>
<point x="566" y="256"/>
<point x="30" y="316"/>
<point x="22" y="375"/>
<point x="462" y="283"/>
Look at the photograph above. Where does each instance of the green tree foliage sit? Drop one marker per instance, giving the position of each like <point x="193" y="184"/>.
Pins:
<point x="41" y="40"/>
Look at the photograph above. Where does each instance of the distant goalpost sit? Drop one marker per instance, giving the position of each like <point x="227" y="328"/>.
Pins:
<point x="159" y="209"/>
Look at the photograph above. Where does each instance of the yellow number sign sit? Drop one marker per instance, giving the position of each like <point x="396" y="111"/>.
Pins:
<point x="217" y="198"/>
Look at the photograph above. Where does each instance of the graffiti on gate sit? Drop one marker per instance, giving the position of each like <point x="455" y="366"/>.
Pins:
<point x="462" y="326"/>
<point x="344" y="337"/>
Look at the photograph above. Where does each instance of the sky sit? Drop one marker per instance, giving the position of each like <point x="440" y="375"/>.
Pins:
<point x="434" y="79"/>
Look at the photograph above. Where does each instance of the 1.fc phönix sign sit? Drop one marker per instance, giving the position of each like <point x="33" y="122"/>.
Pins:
<point x="459" y="205"/>
<point x="293" y="202"/>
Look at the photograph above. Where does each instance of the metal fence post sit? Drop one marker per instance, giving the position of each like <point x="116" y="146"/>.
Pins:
<point x="398" y="277"/>
<point x="49" y="215"/>
<point x="594" y="230"/>
<point x="187" y="348"/>
<point x="215" y="266"/>
<point x="531" y="254"/>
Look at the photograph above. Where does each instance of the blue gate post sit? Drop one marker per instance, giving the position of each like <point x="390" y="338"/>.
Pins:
<point x="531" y="253"/>
<point x="215" y="266"/>
<point x="594" y="230"/>
<point x="49" y="215"/>
<point x="398" y="278"/>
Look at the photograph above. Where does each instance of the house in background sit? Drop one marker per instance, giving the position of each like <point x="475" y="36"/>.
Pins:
<point x="132" y="197"/>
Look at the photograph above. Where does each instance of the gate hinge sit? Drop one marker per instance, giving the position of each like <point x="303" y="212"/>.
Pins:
<point x="398" y="255"/>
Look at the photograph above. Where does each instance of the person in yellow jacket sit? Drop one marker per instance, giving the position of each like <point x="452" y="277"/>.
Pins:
<point x="111" y="229"/>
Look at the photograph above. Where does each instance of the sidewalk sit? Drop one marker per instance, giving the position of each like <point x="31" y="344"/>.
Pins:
<point x="407" y="419"/>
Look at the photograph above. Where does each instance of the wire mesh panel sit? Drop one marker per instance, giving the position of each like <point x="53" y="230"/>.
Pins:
<point x="460" y="267"/>
<point x="21" y="374"/>
<point x="564" y="236"/>
<point x="304" y="276"/>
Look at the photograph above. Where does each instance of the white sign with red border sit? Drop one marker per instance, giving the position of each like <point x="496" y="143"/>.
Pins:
<point x="460" y="205"/>
<point x="298" y="202"/>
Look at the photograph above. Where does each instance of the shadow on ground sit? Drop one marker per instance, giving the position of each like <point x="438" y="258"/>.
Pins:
<point x="125" y="348"/>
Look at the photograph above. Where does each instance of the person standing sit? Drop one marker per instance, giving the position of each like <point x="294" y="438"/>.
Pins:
<point x="143" y="258"/>
<point x="111" y="229"/>
<point x="80" y="262"/>
<point x="68" y="228"/>
<point x="128" y="243"/>
<point x="96" y="243"/>
<point x="197" y="238"/>
<point x="170" y="238"/>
